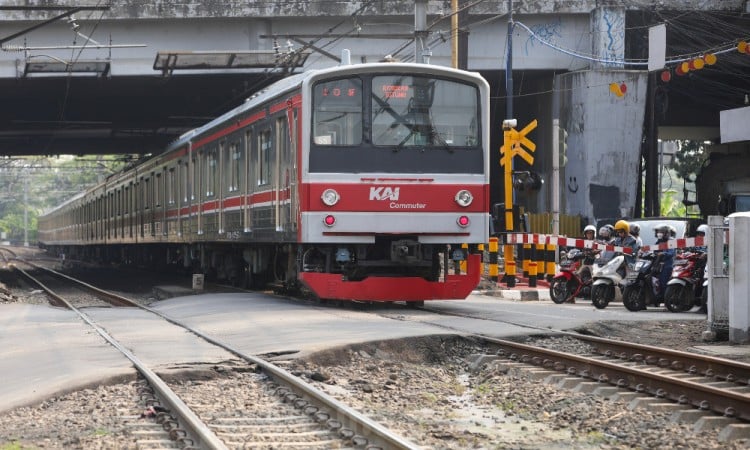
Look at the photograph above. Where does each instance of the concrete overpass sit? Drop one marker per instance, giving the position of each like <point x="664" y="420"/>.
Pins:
<point x="129" y="77"/>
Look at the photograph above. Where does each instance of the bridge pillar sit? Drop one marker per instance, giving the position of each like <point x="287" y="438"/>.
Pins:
<point x="739" y="282"/>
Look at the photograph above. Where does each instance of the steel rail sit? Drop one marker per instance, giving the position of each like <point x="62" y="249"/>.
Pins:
<point x="375" y="434"/>
<point x="725" y="402"/>
<point x="709" y="366"/>
<point x="196" y="428"/>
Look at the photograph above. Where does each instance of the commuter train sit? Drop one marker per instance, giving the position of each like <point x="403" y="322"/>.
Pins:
<point x="359" y="182"/>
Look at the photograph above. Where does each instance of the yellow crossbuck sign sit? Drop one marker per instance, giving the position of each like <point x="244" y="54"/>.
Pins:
<point x="516" y="140"/>
<point x="513" y="145"/>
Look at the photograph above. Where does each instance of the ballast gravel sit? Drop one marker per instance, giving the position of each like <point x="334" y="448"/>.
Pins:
<point x="421" y="388"/>
<point x="425" y="389"/>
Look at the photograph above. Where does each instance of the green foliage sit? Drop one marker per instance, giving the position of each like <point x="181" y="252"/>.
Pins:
<point x="689" y="158"/>
<point x="671" y="206"/>
<point x="12" y="446"/>
<point x="31" y="186"/>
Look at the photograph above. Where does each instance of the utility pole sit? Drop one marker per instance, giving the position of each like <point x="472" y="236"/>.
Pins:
<point x="26" y="209"/>
<point x="454" y="34"/>
<point x="509" y="65"/>
<point x="422" y="53"/>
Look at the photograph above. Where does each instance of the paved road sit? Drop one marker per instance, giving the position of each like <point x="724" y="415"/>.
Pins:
<point x="45" y="351"/>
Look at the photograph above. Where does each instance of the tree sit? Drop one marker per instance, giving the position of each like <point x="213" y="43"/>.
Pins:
<point x="689" y="158"/>
<point x="30" y="186"/>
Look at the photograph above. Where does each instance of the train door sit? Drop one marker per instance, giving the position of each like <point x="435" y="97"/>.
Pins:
<point x="197" y="194"/>
<point x="248" y="183"/>
<point x="220" y="173"/>
<point x="182" y="194"/>
<point x="291" y="168"/>
<point x="263" y="214"/>
<point x="212" y="207"/>
<point x="281" y="150"/>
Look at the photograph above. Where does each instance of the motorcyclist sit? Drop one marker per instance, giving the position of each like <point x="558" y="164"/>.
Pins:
<point x="605" y="236"/>
<point x="589" y="232"/>
<point x="625" y="239"/>
<point x="666" y="260"/>
<point x="702" y="231"/>
<point x="635" y="231"/>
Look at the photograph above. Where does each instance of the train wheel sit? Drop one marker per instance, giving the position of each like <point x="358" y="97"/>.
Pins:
<point x="600" y="295"/>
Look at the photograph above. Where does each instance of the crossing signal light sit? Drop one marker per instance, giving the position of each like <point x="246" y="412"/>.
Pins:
<point x="563" y="147"/>
<point x="525" y="180"/>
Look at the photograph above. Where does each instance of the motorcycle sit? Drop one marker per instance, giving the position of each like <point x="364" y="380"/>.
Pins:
<point x="608" y="271"/>
<point x="704" y="291"/>
<point x="574" y="278"/>
<point x="686" y="281"/>
<point x="640" y="290"/>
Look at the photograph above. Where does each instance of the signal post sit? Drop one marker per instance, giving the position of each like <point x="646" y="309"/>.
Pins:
<point x="514" y="142"/>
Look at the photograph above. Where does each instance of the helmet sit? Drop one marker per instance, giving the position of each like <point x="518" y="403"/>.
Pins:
<point x="610" y="228"/>
<point x="635" y="229"/>
<point x="622" y="225"/>
<point x="672" y="231"/>
<point x="604" y="232"/>
<point x="702" y="228"/>
<point x="589" y="228"/>
<point x="661" y="228"/>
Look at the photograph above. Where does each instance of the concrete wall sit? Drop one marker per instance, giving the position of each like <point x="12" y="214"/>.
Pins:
<point x="189" y="9"/>
<point x="604" y="141"/>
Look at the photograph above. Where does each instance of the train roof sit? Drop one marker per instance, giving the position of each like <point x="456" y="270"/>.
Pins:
<point x="289" y="84"/>
<point x="294" y="81"/>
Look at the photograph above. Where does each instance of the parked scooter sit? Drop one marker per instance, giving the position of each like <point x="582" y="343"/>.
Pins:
<point x="640" y="290"/>
<point x="683" y="289"/>
<point x="608" y="271"/>
<point x="704" y="291"/>
<point x="574" y="278"/>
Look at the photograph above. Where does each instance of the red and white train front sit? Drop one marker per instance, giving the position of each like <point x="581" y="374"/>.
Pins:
<point x="395" y="177"/>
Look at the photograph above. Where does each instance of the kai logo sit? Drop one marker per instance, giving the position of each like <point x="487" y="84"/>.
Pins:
<point x="384" y="193"/>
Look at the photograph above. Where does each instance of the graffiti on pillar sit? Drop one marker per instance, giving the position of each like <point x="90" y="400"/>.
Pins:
<point x="573" y="184"/>
<point x="605" y="200"/>
<point x="613" y="35"/>
<point x="548" y="32"/>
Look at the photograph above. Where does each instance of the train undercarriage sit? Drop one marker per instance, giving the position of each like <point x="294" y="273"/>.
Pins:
<point x="395" y="268"/>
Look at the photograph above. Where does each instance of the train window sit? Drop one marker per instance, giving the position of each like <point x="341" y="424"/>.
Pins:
<point x="145" y="192"/>
<point x="171" y="186"/>
<point x="264" y="157"/>
<point x="337" y="112"/>
<point x="211" y="167"/>
<point x="234" y="167"/>
<point x="422" y="111"/>
<point x="158" y="190"/>
<point x="184" y="181"/>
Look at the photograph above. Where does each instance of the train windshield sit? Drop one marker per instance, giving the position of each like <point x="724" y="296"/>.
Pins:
<point x="396" y="123"/>
<point x="417" y="111"/>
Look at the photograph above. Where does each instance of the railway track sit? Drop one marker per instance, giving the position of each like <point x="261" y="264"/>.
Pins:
<point x="285" y="412"/>
<point x="702" y="382"/>
<point x="689" y="381"/>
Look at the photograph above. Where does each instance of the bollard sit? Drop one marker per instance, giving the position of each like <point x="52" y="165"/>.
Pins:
<point x="539" y="261"/>
<point x="532" y="274"/>
<point x="525" y="258"/>
<point x="493" y="259"/>
<point x="510" y="273"/>
<point x="462" y="265"/>
<point x="480" y="249"/>
<point x="550" y="259"/>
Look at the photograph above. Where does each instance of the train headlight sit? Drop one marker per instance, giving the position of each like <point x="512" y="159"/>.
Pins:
<point x="464" y="198"/>
<point x="330" y="197"/>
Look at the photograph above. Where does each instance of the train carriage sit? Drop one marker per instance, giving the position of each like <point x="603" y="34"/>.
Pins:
<point x="359" y="181"/>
